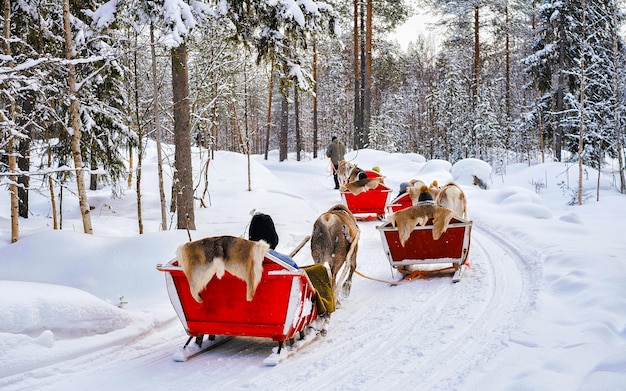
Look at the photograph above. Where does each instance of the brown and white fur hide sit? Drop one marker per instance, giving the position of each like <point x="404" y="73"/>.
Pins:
<point x="406" y="220"/>
<point x="334" y="241"/>
<point x="204" y="258"/>
<point x="354" y="179"/>
<point x="452" y="197"/>
<point x="362" y="185"/>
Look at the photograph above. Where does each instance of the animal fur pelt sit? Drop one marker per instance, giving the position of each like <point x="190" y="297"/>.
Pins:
<point x="362" y="185"/>
<point x="406" y="220"/>
<point x="344" y="170"/>
<point x="452" y="197"/>
<point x="335" y="241"/>
<point x="204" y="258"/>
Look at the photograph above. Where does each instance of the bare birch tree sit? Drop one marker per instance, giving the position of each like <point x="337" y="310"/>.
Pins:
<point x="11" y="133"/>
<point x="270" y="94"/>
<point x="581" y="128"/>
<point x="616" y="93"/>
<point x="75" y="121"/>
<point x="157" y="124"/>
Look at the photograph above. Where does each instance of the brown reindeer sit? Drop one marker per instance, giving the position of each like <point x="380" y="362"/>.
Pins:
<point x="452" y="197"/>
<point x="335" y="241"/>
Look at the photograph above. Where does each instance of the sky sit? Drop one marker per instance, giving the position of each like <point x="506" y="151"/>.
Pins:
<point x="541" y="307"/>
<point x="419" y="25"/>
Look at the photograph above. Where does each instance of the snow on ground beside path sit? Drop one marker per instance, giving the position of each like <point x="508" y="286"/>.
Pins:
<point x="541" y="307"/>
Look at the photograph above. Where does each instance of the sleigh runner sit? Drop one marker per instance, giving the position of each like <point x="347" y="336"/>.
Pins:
<point x="284" y="307"/>
<point x="369" y="204"/>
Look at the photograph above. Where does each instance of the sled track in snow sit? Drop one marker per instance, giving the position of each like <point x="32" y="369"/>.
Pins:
<point x="507" y="279"/>
<point x="442" y="330"/>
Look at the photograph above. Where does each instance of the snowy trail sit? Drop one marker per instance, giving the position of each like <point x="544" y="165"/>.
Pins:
<point x="416" y="321"/>
<point x="425" y="332"/>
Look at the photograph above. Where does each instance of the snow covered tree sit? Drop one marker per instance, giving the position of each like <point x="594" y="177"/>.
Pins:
<point x="272" y="28"/>
<point x="550" y="63"/>
<point x="574" y="64"/>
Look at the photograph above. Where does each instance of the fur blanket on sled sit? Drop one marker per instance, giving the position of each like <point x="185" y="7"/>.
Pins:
<point x="205" y="258"/>
<point x="362" y="185"/>
<point x="318" y="274"/>
<point x="406" y="219"/>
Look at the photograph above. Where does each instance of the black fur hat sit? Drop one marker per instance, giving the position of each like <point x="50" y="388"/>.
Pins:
<point x="424" y="195"/>
<point x="262" y="227"/>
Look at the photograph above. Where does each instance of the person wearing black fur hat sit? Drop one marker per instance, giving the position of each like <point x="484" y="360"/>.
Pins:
<point x="262" y="228"/>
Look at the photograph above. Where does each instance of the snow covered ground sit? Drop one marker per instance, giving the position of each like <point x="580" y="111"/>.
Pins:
<point x="542" y="306"/>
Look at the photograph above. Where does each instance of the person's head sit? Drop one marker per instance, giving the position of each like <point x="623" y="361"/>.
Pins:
<point x="262" y="227"/>
<point x="334" y="138"/>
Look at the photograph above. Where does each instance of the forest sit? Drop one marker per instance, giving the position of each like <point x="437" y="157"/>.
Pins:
<point x="85" y="84"/>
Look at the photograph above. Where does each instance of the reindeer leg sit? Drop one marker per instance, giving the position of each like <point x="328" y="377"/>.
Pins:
<point x="351" y="266"/>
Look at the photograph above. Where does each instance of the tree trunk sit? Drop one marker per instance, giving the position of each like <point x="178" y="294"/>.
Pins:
<point x="269" y="110"/>
<point x="284" y="124"/>
<point x="53" y="204"/>
<point x="367" y="77"/>
<point x="357" y="76"/>
<point x="140" y="139"/>
<point x="93" y="177"/>
<point x="129" y="98"/>
<point x="157" y="124"/>
<point x="23" y="163"/>
<point x="75" y="121"/>
<point x="315" y="136"/>
<point x="507" y="44"/>
<point x="182" y="139"/>
<point x="15" y="210"/>
<point x="23" y="158"/>
<point x="360" y="137"/>
<point x="476" y="80"/>
<point x="582" y="109"/>
<point x="246" y="137"/>
<point x="558" y="137"/>
<point x="616" y="95"/>
<point x="296" y="111"/>
<point x="15" y="227"/>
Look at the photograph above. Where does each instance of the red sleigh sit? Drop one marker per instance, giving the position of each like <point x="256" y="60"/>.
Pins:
<point x="283" y="306"/>
<point x="452" y="248"/>
<point x="370" y="204"/>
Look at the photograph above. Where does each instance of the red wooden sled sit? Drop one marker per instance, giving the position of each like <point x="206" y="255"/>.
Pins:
<point x="421" y="249"/>
<point x="283" y="305"/>
<point x="368" y="205"/>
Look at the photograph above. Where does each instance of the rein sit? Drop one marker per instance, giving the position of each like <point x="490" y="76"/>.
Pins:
<point x="410" y="275"/>
<point x="376" y="279"/>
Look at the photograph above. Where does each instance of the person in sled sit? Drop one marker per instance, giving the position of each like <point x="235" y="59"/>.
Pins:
<point x="262" y="227"/>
